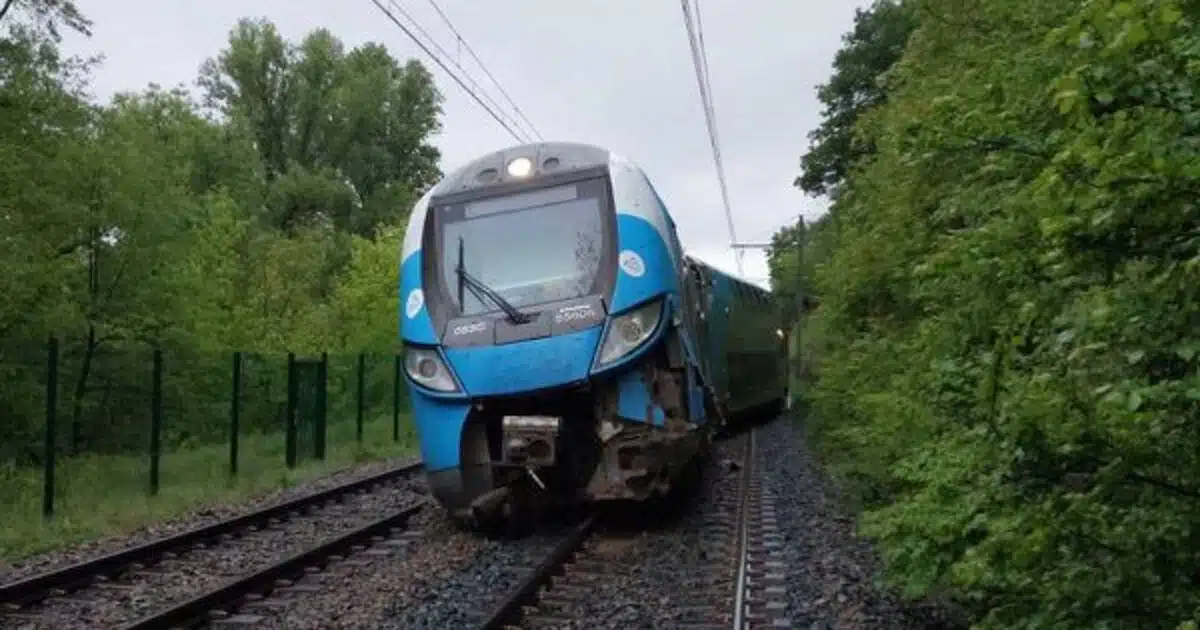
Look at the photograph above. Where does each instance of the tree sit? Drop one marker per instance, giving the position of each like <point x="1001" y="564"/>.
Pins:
<point x="1010" y="308"/>
<point x="342" y="136"/>
<point x="858" y="84"/>
<point x="46" y="15"/>
<point x="43" y="129"/>
<point x="264" y="225"/>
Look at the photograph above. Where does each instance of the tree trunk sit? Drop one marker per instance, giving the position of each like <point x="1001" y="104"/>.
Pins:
<point x="81" y="388"/>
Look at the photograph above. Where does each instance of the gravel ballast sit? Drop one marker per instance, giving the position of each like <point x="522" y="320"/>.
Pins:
<point x="642" y="565"/>
<point x="457" y="594"/>
<point x="675" y="573"/>
<point x="646" y="574"/>
<point x="359" y="591"/>
<point x="208" y="515"/>
<point x="198" y="570"/>
<point x="830" y="573"/>
<point x="676" y="570"/>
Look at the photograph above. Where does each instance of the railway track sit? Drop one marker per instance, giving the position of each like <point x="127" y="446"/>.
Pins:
<point x="116" y="586"/>
<point x="740" y="584"/>
<point x="224" y="605"/>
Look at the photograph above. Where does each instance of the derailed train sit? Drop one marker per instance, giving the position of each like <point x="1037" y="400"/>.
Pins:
<point x="560" y="346"/>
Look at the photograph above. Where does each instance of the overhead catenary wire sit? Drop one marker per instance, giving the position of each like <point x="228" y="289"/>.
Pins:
<point x="740" y="254"/>
<point x="704" y="62"/>
<point x="526" y="136"/>
<point x="407" y="31"/>
<point x="700" y="61"/>
<point x="470" y="51"/>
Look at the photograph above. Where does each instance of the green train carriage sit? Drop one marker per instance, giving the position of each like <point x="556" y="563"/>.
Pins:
<point x="742" y="345"/>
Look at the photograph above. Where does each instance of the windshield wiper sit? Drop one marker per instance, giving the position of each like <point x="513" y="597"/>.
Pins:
<point x="481" y="290"/>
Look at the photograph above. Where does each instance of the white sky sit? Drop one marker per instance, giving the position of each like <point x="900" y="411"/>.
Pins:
<point x="616" y="73"/>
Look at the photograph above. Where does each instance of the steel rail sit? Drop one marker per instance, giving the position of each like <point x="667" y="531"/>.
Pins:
<point x="21" y="593"/>
<point x="509" y="610"/>
<point x="195" y="612"/>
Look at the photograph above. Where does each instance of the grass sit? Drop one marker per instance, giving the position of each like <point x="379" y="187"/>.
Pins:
<point x="99" y="496"/>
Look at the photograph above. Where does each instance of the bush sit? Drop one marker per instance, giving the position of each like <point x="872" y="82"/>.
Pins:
<point x="1010" y="319"/>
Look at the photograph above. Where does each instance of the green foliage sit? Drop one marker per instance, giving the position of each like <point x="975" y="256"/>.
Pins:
<point x="1009" y="313"/>
<point x="859" y="85"/>
<point x="102" y="495"/>
<point x="46" y="16"/>
<point x="149" y="222"/>
<point x="343" y="137"/>
<point x="856" y="86"/>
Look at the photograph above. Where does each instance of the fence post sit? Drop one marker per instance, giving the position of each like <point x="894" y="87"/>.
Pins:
<point x="235" y="413"/>
<point x="290" y="435"/>
<point x="156" y="420"/>
<point x="396" y="398"/>
<point x="322" y="405"/>
<point x="51" y="418"/>
<point x="358" y="417"/>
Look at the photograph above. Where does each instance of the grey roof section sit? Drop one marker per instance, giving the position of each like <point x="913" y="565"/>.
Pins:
<point x="549" y="158"/>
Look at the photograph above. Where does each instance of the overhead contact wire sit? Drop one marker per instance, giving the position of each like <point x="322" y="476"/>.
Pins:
<point x="470" y="51"/>
<point x="446" y="68"/>
<point x="700" y="62"/>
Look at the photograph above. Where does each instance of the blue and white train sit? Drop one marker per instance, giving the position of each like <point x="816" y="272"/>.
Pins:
<point x="559" y="345"/>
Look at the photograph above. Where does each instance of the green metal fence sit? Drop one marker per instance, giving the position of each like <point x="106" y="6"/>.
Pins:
<point x="158" y="402"/>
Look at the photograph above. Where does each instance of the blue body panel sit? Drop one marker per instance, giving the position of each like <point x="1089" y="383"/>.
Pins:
<point x="419" y="328"/>
<point x="439" y="425"/>
<point x="634" y="399"/>
<point x="637" y="235"/>
<point x="525" y="366"/>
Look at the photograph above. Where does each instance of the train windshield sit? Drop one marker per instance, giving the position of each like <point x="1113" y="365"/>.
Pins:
<point x="530" y="248"/>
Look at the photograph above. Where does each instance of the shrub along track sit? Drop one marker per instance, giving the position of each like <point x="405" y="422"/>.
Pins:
<point x="166" y="574"/>
<point x="716" y="569"/>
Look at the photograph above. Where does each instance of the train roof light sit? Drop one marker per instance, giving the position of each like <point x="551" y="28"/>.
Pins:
<point x="520" y="167"/>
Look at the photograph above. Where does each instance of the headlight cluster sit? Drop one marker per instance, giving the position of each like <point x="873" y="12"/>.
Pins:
<point x="629" y="331"/>
<point x="426" y="368"/>
<point x="625" y="334"/>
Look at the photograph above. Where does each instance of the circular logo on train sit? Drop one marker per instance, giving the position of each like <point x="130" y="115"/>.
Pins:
<point x="412" y="306"/>
<point x="632" y="263"/>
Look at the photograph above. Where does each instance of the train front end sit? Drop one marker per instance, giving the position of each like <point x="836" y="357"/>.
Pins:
<point x="544" y="336"/>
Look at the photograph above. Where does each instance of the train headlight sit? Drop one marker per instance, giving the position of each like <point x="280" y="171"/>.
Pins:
<point x="520" y="167"/>
<point x="628" y="331"/>
<point x="426" y="368"/>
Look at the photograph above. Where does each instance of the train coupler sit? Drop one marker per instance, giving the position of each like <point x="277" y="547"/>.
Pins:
<point x="530" y="441"/>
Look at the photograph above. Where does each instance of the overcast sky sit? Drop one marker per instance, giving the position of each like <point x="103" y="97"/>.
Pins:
<point x="616" y="73"/>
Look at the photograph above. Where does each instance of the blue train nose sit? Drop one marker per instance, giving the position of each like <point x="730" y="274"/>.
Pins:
<point x="525" y="365"/>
